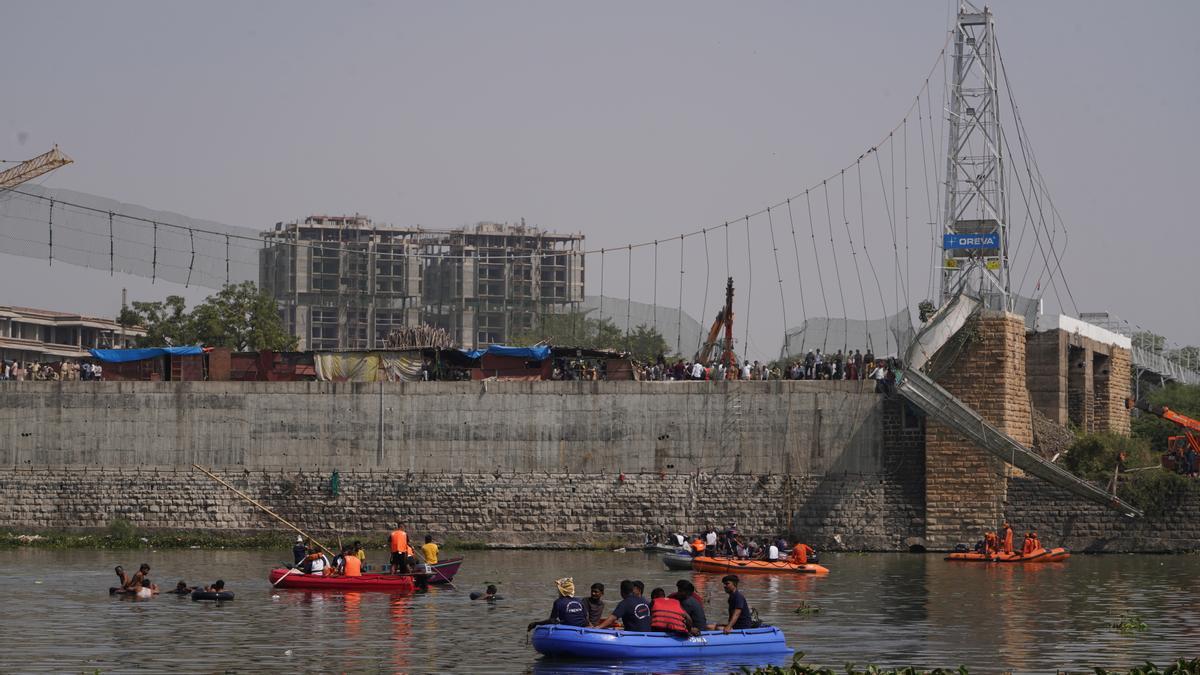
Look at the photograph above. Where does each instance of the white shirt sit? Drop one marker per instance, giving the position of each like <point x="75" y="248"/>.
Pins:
<point x="710" y="539"/>
<point x="318" y="565"/>
<point x="697" y="371"/>
<point x="745" y="372"/>
<point x="773" y="552"/>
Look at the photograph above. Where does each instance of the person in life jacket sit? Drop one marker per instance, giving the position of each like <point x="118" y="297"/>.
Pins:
<point x="1027" y="547"/>
<point x="800" y="553"/>
<point x="567" y="609"/>
<point x="667" y="615"/>
<point x="351" y="564"/>
<point x="697" y="547"/>
<point x="1006" y="534"/>
<point x="398" y="542"/>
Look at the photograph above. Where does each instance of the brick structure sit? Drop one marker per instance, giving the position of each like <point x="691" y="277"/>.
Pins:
<point x="1078" y="374"/>
<point x="965" y="486"/>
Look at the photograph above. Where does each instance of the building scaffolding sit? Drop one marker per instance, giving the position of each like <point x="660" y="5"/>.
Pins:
<point x="343" y="282"/>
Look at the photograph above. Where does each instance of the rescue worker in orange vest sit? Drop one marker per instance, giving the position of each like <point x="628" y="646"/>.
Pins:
<point x="800" y="553"/>
<point x="1027" y="547"/>
<point x="667" y="615"/>
<point x="1007" y="533"/>
<point x="351" y="564"/>
<point x="400" y="550"/>
<point x="697" y="547"/>
<point x="990" y="543"/>
<point x="1037" y="543"/>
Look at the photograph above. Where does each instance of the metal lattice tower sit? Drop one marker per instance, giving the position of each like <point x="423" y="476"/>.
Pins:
<point x="975" y="223"/>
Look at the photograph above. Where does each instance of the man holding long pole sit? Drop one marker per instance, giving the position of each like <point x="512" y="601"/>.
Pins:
<point x="399" y="545"/>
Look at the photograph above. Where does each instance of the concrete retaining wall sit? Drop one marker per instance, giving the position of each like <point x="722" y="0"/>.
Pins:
<point x="795" y="428"/>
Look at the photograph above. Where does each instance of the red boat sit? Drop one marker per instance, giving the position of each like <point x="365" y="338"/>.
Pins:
<point x="387" y="583"/>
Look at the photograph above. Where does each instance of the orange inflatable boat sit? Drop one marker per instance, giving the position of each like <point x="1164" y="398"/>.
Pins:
<point x="743" y="566"/>
<point x="1041" y="555"/>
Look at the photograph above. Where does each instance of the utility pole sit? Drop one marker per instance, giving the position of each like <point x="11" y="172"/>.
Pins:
<point x="975" y="220"/>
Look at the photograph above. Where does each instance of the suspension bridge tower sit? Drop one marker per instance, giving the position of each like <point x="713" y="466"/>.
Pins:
<point x="975" y="220"/>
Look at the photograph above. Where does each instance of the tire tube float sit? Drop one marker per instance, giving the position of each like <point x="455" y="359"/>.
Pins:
<point x="209" y="595"/>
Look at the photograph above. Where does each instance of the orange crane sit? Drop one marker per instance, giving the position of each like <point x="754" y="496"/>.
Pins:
<point x="1175" y="444"/>
<point x="32" y="168"/>
<point x="724" y="318"/>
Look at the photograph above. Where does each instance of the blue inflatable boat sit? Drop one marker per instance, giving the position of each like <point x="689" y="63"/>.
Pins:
<point x="569" y="641"/>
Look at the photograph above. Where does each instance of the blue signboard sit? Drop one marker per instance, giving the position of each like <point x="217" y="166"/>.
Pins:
<point x="985" y="240"/>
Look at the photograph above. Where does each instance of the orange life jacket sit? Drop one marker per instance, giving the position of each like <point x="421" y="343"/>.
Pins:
<point x="667" y="615"/>
<point x="353" y="566"/>
<point x="800" y="554"/>
<point x="399" y="541"/>
<point x="698" y="545"/>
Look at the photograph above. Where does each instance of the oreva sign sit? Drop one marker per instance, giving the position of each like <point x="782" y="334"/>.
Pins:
<point x="986" y="240"/>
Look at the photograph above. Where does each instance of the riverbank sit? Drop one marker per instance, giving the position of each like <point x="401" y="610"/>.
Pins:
<point x="123" y="536"/>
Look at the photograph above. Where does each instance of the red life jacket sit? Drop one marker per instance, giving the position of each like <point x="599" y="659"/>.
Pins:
<point x="667" y="615"/>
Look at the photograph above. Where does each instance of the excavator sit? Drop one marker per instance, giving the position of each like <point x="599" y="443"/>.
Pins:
<point x="32" y="168"/>
<point x="724" y="318"/>
<point x="1176" y="445"/>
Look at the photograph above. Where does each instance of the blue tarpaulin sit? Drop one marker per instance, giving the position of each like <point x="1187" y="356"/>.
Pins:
<point x="126" y="355"/>
<point x="532" y="353"/>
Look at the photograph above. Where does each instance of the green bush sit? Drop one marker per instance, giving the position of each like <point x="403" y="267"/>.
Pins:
<point x="1158" y="492"/>
<point x="1094" y="456"/>
<point x="797" y="668"/>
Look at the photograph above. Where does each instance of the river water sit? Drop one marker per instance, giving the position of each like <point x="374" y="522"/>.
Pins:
<point x="888" y="609"/>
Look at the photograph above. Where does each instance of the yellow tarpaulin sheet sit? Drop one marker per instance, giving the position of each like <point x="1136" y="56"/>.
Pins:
<point x="369" y="367"/>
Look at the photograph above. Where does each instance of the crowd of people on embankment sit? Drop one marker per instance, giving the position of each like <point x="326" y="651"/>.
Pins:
<point x="67" y="370"/>
<point x="813" y="366"/>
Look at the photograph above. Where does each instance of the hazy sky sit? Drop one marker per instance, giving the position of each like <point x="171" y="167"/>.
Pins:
<point x="624" y="121"/>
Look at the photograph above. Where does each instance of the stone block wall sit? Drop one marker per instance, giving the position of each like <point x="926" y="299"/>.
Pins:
<point x="832" y="512"/>
<point x="1112" y="388"/>
<point x="964" y="485"/>
<point x="1062" y="519"/>
<point x="1046" y="373"/>
<point x="1076" y="380"/>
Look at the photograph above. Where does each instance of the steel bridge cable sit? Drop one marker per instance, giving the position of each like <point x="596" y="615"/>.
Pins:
<point x="1032" y="159"/>
<point x="749" y="292"/>
<point x="933" y="244"/>
<point x="601" y="324"/>
<point x="817" y="257"/>
<point x="778" y="275"/>
<point x="679" y="320"/>
<point x="628" y="294"/>
<point x="853" y="253"/>
<point x="870" y="263"/>
<point x="836" y="268"/>
<point x="707" y="282"/>
<point x="655" y="310"/>
<point x="892" y="225"/>
<point x="796" y="251"/>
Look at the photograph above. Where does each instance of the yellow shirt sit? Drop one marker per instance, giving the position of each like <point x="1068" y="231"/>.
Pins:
<point x="430" y="552"/>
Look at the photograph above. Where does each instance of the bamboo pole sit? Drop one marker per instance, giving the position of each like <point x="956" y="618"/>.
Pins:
<point x="269" y="512"/>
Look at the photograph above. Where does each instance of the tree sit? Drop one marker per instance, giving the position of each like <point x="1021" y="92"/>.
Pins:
<point x="238" y="316"/>
<point x="573" y="329"/>
<point x="166" y="322"/>
<point x="646" y="344"/>
<point x="1151" y="342"/>
<point x="1188" y="357"/>
<point x="242" y="318"/>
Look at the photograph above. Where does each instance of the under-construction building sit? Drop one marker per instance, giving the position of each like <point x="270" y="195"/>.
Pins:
<point x="343" y="282"/>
